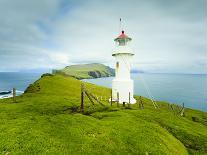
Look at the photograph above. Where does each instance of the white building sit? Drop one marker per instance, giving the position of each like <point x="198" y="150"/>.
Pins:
<point x="123" y="85"/>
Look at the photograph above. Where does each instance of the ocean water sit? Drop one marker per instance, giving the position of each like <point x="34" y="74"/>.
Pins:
<point x="190" y="89"/>
<point x="20" y="81"/>
<point x="174" y="88"/>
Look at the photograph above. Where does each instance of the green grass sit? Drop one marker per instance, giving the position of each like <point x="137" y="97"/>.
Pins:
<point x="87" y="71"/>
<point x="43" y="122"/>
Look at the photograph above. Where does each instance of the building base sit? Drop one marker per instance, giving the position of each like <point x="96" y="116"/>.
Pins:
<point x="122" y="91"/>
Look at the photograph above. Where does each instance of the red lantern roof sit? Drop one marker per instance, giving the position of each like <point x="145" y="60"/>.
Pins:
<point x="122" y="36"/>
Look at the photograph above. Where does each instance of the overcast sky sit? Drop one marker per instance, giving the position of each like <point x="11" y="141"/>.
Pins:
<point x="167" y="35"/>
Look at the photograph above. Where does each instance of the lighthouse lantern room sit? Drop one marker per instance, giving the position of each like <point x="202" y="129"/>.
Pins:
<point x="122" y="84"/>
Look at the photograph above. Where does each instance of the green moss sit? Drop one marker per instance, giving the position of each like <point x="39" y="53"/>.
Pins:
<point x="44" y="122"/>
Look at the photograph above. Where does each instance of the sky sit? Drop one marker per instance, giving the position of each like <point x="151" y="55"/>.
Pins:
<point x="168" y="36"/>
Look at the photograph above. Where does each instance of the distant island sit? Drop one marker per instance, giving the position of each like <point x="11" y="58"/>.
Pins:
<point x="86" y="71"/>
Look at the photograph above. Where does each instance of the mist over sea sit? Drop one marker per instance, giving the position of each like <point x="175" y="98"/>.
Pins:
<point x="174" y="88"/>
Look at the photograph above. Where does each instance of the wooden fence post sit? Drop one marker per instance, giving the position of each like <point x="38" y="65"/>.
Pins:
<point x="14" y="94"/>
<point x="140" y="100"/>
<point x="137" y="102"/>
<point x="111" y="97"/>
<point x="117" y="99"/>
<point x="82" y="98"/>
<point x="141" y="105"/>
<point x="89" y="97"/>
<point x="129" y="100"/>
<point x="183" y="111"/>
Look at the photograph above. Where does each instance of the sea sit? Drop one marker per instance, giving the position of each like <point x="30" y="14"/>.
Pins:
<point x="18" y="80"/>
<point x="190" y="89"/>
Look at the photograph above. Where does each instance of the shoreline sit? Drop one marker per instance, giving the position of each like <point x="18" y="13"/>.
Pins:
<point x="18" y="93"/>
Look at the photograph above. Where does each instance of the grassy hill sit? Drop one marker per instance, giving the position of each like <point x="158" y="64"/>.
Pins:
<point x="87" y="71"/>
<point x="44" y="120"/>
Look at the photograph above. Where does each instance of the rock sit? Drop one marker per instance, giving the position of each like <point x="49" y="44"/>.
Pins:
<point x="46" y="74"/>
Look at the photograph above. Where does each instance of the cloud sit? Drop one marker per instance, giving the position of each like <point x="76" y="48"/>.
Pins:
<point x="168" y="36"/>
<point x="60" y="59"/>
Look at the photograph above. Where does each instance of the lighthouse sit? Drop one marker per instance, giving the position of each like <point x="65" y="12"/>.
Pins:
<point x="122" y="84"/>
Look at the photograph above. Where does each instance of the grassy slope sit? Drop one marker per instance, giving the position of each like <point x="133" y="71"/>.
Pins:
<point x="81" y="71"/>
<point x="42" y="122"/>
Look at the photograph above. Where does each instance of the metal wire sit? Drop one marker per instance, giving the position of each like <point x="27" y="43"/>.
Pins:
<point x="148" y="91"/>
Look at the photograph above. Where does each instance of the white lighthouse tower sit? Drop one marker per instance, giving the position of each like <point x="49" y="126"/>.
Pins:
<point x="123" y="85"/>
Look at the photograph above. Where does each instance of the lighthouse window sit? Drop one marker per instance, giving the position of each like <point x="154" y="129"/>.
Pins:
<point x="117" y="65"/>
<point x="122" y="42"/>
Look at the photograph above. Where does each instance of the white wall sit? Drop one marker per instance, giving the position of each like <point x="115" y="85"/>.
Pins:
<point x="122" y="82"/>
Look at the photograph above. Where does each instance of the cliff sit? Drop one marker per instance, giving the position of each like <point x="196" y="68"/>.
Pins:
<point x="87" y="71"/>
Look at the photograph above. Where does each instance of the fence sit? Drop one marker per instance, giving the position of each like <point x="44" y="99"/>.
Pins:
<point x="87" y="94"/>
<point x="177" y="110"/>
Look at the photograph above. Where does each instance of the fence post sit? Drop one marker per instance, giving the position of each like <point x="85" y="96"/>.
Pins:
<point x="111" y="97"/>
<point x="117" y="99"/>
<point x="141" y="105"/>
<point x="137" y="102"/>
<point x="183" y="111"/>
<point x="129" y="100"/>
<point x="140" y="100"/>
<point x="82" y="97"/>
<point x="14" y="94"/>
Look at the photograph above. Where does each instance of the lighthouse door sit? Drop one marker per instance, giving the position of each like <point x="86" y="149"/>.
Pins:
<point x="117" y="65"/>
<point x="117" y="68"/>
